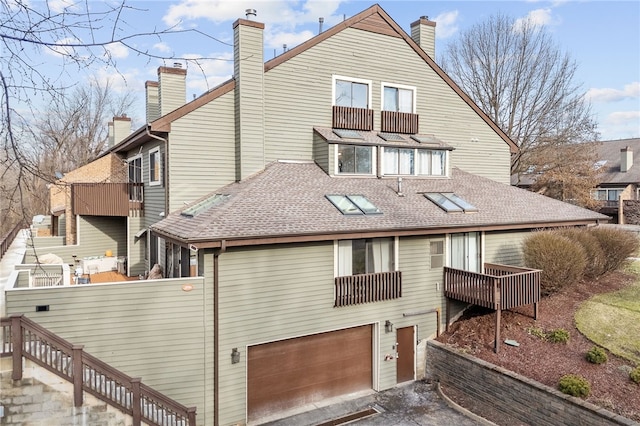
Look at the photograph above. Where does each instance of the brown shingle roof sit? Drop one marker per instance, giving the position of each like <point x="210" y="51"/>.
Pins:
<point x="610" y="151"/>
<point x="288" y="200"/>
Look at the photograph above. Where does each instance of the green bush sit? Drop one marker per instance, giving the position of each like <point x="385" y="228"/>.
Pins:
<point x="597" y="355"/>
<point x="596" y="263"/>
<point x="616" y="244"/>
<point x="561" y="260"/>
<point x="574" y="385"/>
<point x="634" y="375"/>
<point x="559" y="335"/>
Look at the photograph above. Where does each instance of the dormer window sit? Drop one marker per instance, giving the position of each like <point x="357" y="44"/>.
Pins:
<point x="355" y="160"/>
<point x="422" y="162"/>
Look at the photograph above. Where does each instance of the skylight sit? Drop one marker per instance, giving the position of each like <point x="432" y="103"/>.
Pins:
<point x="450" y="202"/>
<point x="203" y="205"/>
<point x="353" y="204"/>
<point x="391" y="136"/>
<point x="348" y="134"/>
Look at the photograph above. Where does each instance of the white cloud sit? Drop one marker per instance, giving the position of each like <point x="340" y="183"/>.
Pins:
<point x="620" y="125"/>
<point x="117" y="50"/>
<point x="277" y="40"/>
<point x="446" y="24"/>
<point x="630" y="91"/>
<point x="537" y="18"/>
<point x="63" y="47"/>
<point x="59" y="6"/>
<point x="162" y="47"/>
<point x="206" y="74"/>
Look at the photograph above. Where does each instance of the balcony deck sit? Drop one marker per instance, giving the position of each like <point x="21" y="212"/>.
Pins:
<point x="500" y="287"/>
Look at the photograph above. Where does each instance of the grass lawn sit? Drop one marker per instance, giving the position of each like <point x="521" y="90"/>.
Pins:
<point x="612" y="320"/>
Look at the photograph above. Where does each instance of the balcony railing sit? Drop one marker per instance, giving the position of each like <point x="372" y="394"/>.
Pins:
<point x="106" y="199"/>
<point x="352" y="118"/>
<point x="500" y="287"/>
<point x="398" y="122"/>
<point x="365" y="288"/>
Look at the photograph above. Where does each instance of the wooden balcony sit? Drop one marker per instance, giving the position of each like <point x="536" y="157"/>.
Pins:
<point x="500" y="287"/>
<point x="352" y="118"/>
<point x="398" y="122"/>
<point x="365" y="288"/>
<point x="106" y="199"/>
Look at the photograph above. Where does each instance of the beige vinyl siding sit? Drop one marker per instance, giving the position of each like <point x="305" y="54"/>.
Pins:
<point x="153" y="330"/>
<point x="44" y="242"/>
<point x="62" y="225"/>
<point x="202" y="151"/>
<point x="136" y="264"/>
<point x="505" y="247"/>
<point x="298" y="97"/>
<point x="321" y="152"/>
<point x="288" y="291"/>
<point x="97" y="234"/>
<point x="153" y="195"/>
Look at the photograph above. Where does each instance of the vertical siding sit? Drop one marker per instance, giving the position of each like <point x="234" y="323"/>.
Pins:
<point x="505" y="247"/>
<point x="273" y="300"/>
<point x="153" y="330"/>
<point x="249" y="101"/>
<point x="202" y="151"/>
<point x="97" y="234"/>
<point x="298" y="97"/>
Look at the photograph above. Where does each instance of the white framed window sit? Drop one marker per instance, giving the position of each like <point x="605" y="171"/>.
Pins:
<point x="351" y="92"/>
<point x="398" y="98"/>
<point x="466" y="251"/>
<point x="436" y="254"/>
<point x="155" y="167"/>
<point x="423" y="162"/>
<point x="607" y="194"/>
<point x="398" y="161"/>
<point x="431" y="163"/>
<point x="365" y="256"/>
<point x="355" y="160"/>
<point x="135" y="177"/>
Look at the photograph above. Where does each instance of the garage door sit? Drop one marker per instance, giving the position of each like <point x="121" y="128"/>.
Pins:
<point x="295" y="372"/>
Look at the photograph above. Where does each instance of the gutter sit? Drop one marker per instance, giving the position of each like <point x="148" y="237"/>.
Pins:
<point x="216" y="340"/>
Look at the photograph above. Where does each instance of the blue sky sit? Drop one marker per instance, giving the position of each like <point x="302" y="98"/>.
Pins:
<point x="603" y="37"/>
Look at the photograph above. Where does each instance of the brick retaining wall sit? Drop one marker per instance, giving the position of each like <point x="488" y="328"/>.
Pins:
<point x="522" y="398"/>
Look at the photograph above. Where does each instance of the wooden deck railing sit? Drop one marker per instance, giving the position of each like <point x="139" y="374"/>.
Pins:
<point x="106" y="199"/>
<point x="8" y="238"/>
<point x="365" y="288"/>
<point x="398" y="122"/>
<point x="352" y="118"/>
<point x="21" y="337"/>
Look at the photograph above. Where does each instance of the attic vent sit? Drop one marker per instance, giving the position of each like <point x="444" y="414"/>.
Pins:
<point x="203" y="205"/>
<point x="348" y="134"/>
<point x="391" y="136"/>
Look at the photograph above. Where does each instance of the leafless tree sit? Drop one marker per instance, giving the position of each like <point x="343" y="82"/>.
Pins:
<point x="81" y="35"/>
<point x="515" y="72"/>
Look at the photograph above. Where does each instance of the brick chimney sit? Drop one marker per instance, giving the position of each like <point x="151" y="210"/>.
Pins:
<point x="249" y="95"/>
<point x="152" y="101"/>
<point x="172" y="88"/>
<point x="423" y="32"/>
<point x="119" y="129"/>
<point x="626" y="159"/>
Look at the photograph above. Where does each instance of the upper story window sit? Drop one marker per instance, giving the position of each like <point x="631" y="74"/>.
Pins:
<point x="155" y="167"/>
<point x="398" y="98"/>
<point x="135" y="176"/>
<point x="403" y="161"/>
<point x="351" y="92"/>
<point x="608" y="194"/>
<point x="365" y="256"/>
<point x="353" y="159"/>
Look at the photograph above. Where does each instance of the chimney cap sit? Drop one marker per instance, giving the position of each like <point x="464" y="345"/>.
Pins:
<point x="177" y="65"/>
<point x="250" y="13"/>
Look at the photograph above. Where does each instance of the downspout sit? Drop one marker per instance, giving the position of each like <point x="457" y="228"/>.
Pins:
<point x="216" y="342"/>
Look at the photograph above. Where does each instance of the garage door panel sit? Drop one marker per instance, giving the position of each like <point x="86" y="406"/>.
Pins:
<point x="307" y="369"/>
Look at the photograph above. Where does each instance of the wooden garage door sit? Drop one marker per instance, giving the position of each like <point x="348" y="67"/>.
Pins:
<point x="294" y="372"/>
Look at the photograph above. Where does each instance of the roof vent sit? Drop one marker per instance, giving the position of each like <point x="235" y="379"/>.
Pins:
<point x="250" y="14"/>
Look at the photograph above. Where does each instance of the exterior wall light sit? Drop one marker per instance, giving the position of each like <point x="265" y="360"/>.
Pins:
<point x="388" y="326"/>
<point x="235" y="356"/>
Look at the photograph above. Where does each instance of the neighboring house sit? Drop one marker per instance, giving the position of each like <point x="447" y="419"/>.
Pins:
<point x="326" y="200"/>
<point x="619" y="180"/>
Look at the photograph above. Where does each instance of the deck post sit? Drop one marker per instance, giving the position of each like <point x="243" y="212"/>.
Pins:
<point x="77" y="374"/>
<point x="16" y="343"/>
<point x="496" y="302"/>
<point x="136" y="403"/>
<point x="448" y="307"/>
<point x="535" y="310"/>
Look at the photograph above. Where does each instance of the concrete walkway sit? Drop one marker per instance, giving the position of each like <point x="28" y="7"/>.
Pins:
<point x="415" y="403"/>
<point x="13" y="256"/>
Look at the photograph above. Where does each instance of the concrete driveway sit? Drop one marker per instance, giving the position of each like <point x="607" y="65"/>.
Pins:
<point x="415" y="403"/>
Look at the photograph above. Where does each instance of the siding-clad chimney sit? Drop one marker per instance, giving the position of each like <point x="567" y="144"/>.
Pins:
<point x="423" y="32"/>
<point x="249" y="96"/>
<point x="172" y="88"/>
<point x="119" y="129"/>
<point x="152" y="102"/>
<point x="626" y="159"/>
